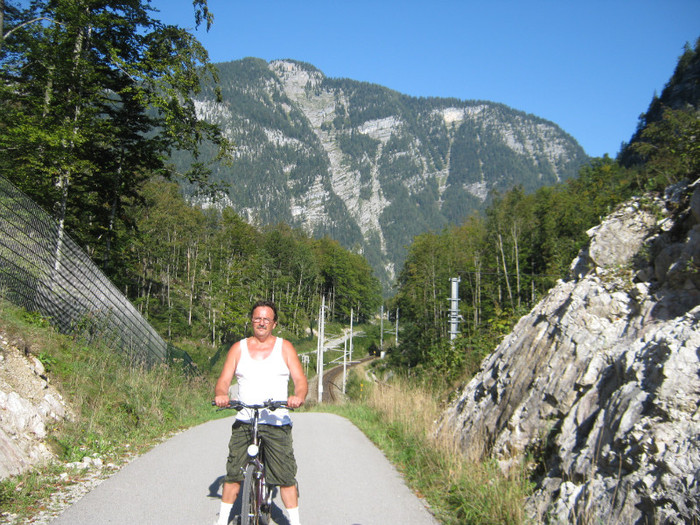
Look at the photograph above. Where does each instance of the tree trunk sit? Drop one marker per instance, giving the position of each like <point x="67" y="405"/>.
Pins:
<point x="112" y="218"/>
<point x="213" y="328"/>
<point x="477" y="291"/>
<point x="64" y="178"/>
<point x="505" y="269"/>
<point x="2" y="22"/>
<point x="514" y="233"/>
<point x="148" y="297"/>
<point x="191" y="277"/>
<point x="170" y="305"/>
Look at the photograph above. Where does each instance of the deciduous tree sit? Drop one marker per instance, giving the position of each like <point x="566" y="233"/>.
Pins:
<point x="95" y="95"/>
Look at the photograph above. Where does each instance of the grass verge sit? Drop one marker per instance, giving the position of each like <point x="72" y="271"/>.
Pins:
<point x="399" y="418"/>
<point x="119" y="410"/>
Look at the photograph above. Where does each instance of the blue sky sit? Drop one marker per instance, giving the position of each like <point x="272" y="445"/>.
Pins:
<point x="592" y="67"/>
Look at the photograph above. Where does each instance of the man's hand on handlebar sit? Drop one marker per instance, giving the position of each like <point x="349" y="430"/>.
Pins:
<point x="294" y="401"/>
<point x="222" y="401"/>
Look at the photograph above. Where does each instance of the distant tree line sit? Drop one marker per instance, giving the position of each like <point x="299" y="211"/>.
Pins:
<point x="194" y="272"/>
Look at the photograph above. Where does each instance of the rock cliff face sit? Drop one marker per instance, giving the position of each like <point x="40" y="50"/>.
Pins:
<point x="600" y="383"/>
<point x="366" y="165"/>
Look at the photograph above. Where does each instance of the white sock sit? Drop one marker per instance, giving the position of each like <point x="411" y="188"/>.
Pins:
<point x="224" y="513"/>
<point x="294" y="516"/>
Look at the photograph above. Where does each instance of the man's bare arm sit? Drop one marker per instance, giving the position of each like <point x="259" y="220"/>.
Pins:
<point x="296" y="371"/>
<point x="227" y="372"/>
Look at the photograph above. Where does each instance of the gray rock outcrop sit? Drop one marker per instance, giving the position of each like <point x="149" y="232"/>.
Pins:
<point x="600" y="383"/>
<point x="28" y="404"/>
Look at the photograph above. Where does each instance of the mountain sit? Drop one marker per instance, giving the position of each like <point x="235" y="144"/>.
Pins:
<point x="368" y="166"/>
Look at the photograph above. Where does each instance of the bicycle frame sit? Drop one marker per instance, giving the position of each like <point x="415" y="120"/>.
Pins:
<point x="256" y="494"/>
<point x="260" y="507"/>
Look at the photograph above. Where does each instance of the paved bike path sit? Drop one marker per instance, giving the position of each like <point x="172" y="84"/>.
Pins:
<point x="343" y="480"/>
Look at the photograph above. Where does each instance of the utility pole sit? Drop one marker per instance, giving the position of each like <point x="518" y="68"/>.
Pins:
<point x="397" y="327"/>
<point x="319" y="348"/>
<point x="351" y="312"/>
<point x="381" y="333"/>
<point x="345" y="363"/>
<point x="454" y="316"/>
<point x="381" y="328"/>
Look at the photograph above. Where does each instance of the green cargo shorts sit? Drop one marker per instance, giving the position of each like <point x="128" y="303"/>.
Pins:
<point x="278" y="453"/>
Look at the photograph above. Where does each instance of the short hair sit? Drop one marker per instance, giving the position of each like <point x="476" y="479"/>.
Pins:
<point x="269" y="304"/>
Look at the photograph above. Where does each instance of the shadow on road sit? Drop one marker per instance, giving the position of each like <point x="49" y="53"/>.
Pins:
<point x="276" y="513"/>
<point x="214" y="487"/>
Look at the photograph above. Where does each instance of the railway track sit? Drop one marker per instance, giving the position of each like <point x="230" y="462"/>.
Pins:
<point x="333" y="381"/>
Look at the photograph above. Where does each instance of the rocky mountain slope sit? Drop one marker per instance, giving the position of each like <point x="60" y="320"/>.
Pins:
<point x="368" y="166"/>
<point x="600" y="383"/>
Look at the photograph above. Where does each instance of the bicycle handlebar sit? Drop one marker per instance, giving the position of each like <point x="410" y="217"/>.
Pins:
<point x="269" y="404"/>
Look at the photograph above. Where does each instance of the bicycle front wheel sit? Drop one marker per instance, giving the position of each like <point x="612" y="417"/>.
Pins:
<point x="249" y="497"/>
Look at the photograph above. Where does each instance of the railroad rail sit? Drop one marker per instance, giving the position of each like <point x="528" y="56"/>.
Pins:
<point x="333" y="380"/>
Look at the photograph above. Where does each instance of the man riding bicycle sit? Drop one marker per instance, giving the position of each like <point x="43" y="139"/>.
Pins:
<point x="262" y="365"/>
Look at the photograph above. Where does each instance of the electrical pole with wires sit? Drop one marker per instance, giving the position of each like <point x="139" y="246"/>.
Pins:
<point x="319" y="348"/>
<point x="454" y="316"/>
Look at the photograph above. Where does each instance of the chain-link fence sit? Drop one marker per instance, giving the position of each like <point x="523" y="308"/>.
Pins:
<point x="43" y="270"/>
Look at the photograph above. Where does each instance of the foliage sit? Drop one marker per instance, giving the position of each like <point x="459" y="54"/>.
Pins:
<point x="95" y="96"/>
<point x="356" y="388"/>
<point x="195" y="272"/>
<point x="664" y="138"/>
<point x="349" y="281"/>
<point x="670" y="148"/>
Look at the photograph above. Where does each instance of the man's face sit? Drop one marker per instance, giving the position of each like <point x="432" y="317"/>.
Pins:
<point x="263" y="321"/>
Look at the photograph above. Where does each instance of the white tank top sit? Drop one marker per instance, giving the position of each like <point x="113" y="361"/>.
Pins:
<point x="262" y="380"/>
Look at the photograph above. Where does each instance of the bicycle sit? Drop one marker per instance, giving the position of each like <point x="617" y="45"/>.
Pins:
<point x="256" y="494"/>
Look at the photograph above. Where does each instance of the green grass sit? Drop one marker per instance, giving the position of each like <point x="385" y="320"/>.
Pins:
<point x="399" y="420"/>
<point x="120" y="410"/>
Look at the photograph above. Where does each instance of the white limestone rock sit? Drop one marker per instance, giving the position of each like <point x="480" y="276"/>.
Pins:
<point x="604" y="376"/>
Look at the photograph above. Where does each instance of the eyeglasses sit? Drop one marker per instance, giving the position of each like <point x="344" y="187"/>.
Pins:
<point x="262" y="320"/>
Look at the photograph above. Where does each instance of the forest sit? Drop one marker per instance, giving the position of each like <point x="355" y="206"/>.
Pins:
<point x="195" y="272"/>
<point x="95" y="100"/>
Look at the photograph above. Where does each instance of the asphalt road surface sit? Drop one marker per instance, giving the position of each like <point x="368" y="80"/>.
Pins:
<point x="343" y="480"/>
